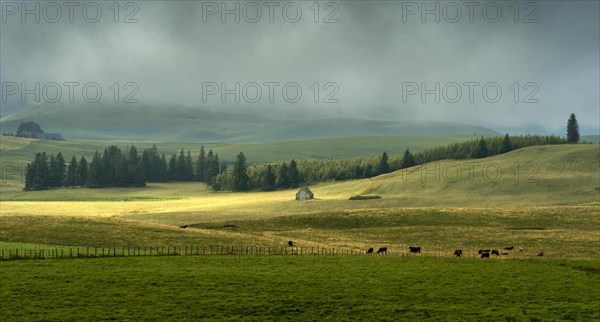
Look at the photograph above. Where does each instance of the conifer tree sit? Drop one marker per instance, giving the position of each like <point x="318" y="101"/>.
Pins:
<point x="269" y="179"/>
<point x="41" y="180"/>
<point x="384" y="166"/>
<point x="29" y="177"/>
<point x="152" y="165"/>
<point x="189" y="167"/>
<point x="82" y="172"/>
<point x="240" y="176"/>
<point x="173" y="174"/>
<point x="572" y="129"/>
<point x="52" y="179"/>
<point x="294" y="174"/>
<point x="283" y="180"/>
<point x="506" y="145"/>
<point x="407" y="160"/>
<point x="212" y="167"/>
<point x="148" y="166"/>
<point x="134" y="175"/>
<point x="201" y="166"/>
<point x="217" y="165"/>
<point x="60" y="170"/>
<point x="181" y="166"/>
<point x="95" y="176"/>
<point x="113" y="167"/>
<point x="72" y="171"/>
<point x="163" y="169"/>
<point x="481" y="150"/>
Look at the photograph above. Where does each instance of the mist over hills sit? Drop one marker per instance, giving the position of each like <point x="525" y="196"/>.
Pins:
<point x="191" y="124"/>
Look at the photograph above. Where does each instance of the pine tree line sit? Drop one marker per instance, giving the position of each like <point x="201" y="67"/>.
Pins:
<point x="482" y="148"/>
<point x="113" y="168"/>
<point x="268" y="177"/>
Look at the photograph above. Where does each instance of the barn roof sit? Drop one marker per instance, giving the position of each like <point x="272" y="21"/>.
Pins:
<point x="305" y="189"/>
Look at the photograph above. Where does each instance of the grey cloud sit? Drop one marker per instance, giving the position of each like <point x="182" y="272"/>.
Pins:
<point x="370" y="52"/>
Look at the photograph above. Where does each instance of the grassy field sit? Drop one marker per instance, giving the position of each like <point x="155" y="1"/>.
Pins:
<point x="357" y="288"/>
<point x="560" y="232"/>
<point x="554" y="209"/>
<point x="546" y="200"/>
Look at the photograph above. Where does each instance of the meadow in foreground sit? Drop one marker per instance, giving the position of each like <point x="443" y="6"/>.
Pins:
<point x="299" y="288"/>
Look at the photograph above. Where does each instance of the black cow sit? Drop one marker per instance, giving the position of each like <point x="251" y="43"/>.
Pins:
<point x="370" y="250"/>
<point x="541" y="254"/>
<point x="485" y="255"/>
<point x="495" y="252"/>
<point x="481" y="251"/>
<point x="414" y="249"/>
<point x="184" y="226"/>
<point x="458" y="253"/>
<point x="504" y="254"/>
<point x="290" y="243"/>
<point x="509" y="248"/>
<point x="382" y="250"/>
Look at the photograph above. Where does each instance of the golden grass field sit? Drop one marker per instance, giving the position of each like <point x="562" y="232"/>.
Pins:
<point x="546" y="197"/>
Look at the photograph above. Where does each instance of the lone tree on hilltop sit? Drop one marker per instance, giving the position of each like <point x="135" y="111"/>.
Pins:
<point x="572" y="129"/>
<point x="27" y="128"/>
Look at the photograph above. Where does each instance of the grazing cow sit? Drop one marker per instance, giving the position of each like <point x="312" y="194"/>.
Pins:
<point x="481" y="251"/>
<point x="458" y="253"/>
<point x="541" y="254"/>
<point x="382" y="250"/>
<point x="184" y="226"/>
<point x="370" y="250"/>
<point x="495" y="252"/>
<point x="509" y="248"/>
<point x="414" y="249"/>
<point x="485" y="255"/>
<point x="504" y="254"/>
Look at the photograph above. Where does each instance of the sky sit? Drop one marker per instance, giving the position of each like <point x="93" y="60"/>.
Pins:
<point x="513" y="68"/>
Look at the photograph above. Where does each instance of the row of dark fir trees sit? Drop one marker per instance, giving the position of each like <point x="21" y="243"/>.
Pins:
<point x="115" y="168"/>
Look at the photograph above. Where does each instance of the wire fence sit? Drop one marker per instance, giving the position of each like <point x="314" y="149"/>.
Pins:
<point x="40" y="252"/>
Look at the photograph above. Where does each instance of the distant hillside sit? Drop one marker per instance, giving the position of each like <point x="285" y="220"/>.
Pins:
<point x="186" y="124"/>
<point x="539" y="175"/>
<point x="18" y="150"/>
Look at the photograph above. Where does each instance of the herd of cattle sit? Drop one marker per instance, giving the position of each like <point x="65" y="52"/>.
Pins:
<point x="483" y="253"/>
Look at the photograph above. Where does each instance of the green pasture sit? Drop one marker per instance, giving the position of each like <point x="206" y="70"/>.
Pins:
<point x="313" y="288"/>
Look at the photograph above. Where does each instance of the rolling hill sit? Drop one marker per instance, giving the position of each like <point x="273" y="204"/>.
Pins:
<point x="533" y="176"/>
<point x="187" y="124"/>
